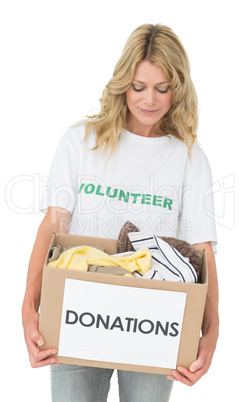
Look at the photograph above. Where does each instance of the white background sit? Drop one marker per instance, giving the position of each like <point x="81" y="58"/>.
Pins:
<point x="56" y="57"/>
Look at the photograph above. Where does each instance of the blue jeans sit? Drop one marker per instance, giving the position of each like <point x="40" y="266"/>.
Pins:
<point x="90" y="384"/>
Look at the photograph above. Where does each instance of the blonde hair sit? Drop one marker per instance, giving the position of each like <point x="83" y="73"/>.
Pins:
<point x="158" y="45"/>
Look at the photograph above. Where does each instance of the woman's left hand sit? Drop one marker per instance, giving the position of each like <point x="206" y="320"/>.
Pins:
<point x="210" y="327"/>
<point x="199" y="367"/>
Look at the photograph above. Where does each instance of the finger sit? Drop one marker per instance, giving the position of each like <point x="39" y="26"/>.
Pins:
<point x="198" y="364"/>
<point x="42" y="363"/>
<point x="38" y="354"/>
<point x="183" y="377"/>
<point x="35" y="335"/>
<point x="33" y="348"/>
<point x="38" y="339"/>
<point x="43" y="355"/>
<point x="40" y="358"/>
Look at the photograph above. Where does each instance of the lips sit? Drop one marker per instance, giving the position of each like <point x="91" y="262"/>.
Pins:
<point x="148" y="112"/>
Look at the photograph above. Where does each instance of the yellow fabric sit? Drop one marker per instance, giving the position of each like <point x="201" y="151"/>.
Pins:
<point x="79" y="258"/>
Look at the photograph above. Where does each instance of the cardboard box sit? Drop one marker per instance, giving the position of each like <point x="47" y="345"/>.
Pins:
<point x="120" y="322"/>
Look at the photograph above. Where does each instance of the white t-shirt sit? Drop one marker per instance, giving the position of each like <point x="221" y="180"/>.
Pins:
<point x="148" y="181"/>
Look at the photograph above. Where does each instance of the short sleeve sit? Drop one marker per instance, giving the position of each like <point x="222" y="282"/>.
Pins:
<point x="61" y="187"/>
<point x="197" y="217"/>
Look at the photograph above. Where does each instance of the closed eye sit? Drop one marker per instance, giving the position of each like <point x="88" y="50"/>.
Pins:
<point x="161" y="91"/>
<point x="137" y="89"/>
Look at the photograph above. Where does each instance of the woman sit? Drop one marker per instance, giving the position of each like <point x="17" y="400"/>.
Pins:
<point x="136" y="160"/>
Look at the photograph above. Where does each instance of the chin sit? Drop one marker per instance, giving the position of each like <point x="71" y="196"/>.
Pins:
<point x="149" y="121"/>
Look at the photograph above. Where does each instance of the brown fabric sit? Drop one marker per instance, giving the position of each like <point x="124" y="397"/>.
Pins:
<point x="111" y="270"/>
<point x="55" y="252"/>
<point x="123" y="243"/>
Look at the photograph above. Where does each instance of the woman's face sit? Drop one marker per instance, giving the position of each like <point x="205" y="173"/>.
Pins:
<point x="149" y="98"/>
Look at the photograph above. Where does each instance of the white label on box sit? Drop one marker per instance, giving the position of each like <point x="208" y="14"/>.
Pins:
<point x="121" y="324"/>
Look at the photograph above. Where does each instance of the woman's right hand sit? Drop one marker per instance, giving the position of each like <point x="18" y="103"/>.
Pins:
<point x="52" y="222"/>
<point x="33" y="339"/>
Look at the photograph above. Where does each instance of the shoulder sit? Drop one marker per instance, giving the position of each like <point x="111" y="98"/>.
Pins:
<point x="75" y="135"/>
<point x="198" y="164"/>
<point x="76" y="132"/>
<point x="199" y="158"/>
<point x="197" y="153"/>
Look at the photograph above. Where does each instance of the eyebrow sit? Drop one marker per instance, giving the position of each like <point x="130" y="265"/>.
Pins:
<point x="160" y="83"/>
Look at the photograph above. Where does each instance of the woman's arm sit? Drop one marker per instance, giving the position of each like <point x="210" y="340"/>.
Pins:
<point x="55" y="220"/>
<point x="210" y="327"/>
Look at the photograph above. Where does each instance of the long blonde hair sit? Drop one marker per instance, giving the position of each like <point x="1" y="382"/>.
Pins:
<point x="158" y="45"/>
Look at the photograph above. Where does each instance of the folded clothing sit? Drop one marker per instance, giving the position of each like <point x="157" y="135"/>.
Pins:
<point x="168" y="263"/>
<point x="79" y="258"/>
<point x="110" y="270"/>
<point x="57" y="250"/>
<point x="183" y="247"/>
<point x="186" y="250"/>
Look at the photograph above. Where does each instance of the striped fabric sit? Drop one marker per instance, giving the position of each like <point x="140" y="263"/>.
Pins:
<point x="166" y="262"/>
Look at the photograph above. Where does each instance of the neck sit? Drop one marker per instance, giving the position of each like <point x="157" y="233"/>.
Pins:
<point x="135" y="127"/>
<point x="144" y="131"/>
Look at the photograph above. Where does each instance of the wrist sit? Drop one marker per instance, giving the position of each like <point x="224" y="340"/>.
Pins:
<point x="30" y="306"/>
<point x="211" y="331"/>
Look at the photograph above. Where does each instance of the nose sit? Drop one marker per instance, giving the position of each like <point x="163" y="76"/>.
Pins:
<point x="149" y="97"/>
